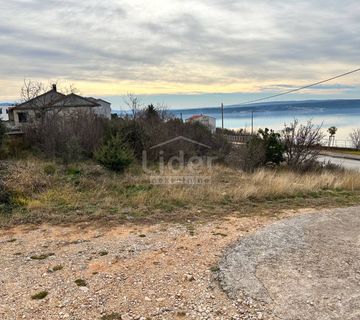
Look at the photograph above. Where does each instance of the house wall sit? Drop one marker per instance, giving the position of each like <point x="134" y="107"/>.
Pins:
<point x="16" y="115"/>
<point x="31" y="115"/>
<point x="4" y="113"/>
<point x="104" y="110"/>
<point x="208" y="122"/>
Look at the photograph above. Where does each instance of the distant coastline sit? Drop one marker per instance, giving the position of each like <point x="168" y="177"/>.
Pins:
<point x="344" y="114"/>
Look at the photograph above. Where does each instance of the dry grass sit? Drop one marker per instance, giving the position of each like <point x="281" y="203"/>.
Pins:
<point x="87" y="191"/>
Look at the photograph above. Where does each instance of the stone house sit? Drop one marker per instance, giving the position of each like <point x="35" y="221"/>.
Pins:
<point x="54" y="102"/>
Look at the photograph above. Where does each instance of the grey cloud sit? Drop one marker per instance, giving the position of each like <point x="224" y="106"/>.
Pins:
<point x="113" y="40"/>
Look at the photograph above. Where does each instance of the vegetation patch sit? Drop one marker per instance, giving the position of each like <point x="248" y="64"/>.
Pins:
<point x="113" y="198"/>
<point x="214" y="269"/>
<point x="40" y="295"/>
<point x="73" y="171"/>
<point x="56" y="268"/>
<point x="220" y="234"/>
<point x="42" y="256"/>
<point x="80" y="282"/>
<point x="111" y="316"/>
<point x="49" y="169"/>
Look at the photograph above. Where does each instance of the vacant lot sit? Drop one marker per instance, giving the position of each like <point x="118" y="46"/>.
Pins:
<point x="79" y="242"/>
<point x="164" y="271"/>
<point x="36" y="191"/>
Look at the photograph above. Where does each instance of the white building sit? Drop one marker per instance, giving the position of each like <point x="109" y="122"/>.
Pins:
<point x="4" y="112"/>
<point x="207" y="121"/>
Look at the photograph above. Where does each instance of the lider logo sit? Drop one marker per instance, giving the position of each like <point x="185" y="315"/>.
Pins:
<point x="176" y="169"/>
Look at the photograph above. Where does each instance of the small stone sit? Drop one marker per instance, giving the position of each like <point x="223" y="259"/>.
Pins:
<point x="189" y="277"/>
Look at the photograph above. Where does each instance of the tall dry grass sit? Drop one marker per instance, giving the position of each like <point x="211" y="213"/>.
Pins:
<point x="89" y="190"/>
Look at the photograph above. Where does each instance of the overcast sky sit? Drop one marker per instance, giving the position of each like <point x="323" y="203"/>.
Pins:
<point x="185" y="52"/>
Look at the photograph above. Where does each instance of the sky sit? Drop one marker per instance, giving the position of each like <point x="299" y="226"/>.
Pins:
<point x="181" y="53"/>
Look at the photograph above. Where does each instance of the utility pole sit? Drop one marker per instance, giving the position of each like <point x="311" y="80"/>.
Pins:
<point x="222" y="117"/>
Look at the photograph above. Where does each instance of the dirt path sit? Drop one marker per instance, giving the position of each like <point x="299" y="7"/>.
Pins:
<point x="130" y="272"/>
<point x="305" y="268"/>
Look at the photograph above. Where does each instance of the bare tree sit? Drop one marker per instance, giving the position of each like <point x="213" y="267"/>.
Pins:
<point x="355" y="138"/>
<point x="31" y="89"/>
<point x="302" y="143"/>
<point x="133" y="103"/>
<point x="44" y="100"/>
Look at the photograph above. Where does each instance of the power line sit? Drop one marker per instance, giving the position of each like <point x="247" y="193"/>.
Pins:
<point x="301" y="88"/>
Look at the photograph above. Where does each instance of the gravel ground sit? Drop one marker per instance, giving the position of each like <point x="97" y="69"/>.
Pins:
<point x="302" y="268"/>
<point x="129" y="272"/>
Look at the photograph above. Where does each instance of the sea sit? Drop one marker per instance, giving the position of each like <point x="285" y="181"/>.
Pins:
<point x="343" y="114"/>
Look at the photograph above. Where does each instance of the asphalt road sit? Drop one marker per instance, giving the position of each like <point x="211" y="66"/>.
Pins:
<point x="350" y="164"/>
<point x="303" y="268"/>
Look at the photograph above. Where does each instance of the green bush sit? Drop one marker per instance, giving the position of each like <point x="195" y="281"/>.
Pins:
<point x="115" y="154"/>
<point x="254" y="155"/>
<point x="274" y="147"/>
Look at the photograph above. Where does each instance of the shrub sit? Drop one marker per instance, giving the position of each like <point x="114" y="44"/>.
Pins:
<point x="5" y="196"/>
<point x="355" y="138"/>
<point x="274" y="147"/>
<point x="254" y="155"/>
<point x="115" y="154"/>
<point x="40" y="295"/>
<point x="153" y="125"/>
<point x="67" y="136"/>
<point x="2" y="134"/>
<point x="302" y="143"/>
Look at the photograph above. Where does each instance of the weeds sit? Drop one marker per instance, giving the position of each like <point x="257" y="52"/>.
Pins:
<point x="42" y="256"/>
<point x="40" y="295"/>
<point x="112" y="316"/>
<point x="220" y="234"/>
<point x="56" y="268"/>
<point x="76" y="194"/>
<point x="214" y="269"/>
<point x="80" y="283"/>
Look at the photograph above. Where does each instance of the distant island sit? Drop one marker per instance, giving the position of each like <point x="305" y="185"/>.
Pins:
<point x="304" y="105"/>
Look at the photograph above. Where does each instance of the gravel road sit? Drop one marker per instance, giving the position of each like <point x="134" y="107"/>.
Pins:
<point x="304" y="268"/>
<point x="128" y="272"/>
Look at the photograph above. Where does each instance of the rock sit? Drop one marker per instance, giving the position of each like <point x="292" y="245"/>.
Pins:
<point x="189" y="277"/>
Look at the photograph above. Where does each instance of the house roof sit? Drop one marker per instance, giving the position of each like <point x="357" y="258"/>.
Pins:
<point x="199" y="116"/>
<point x="97" y="100"/>
<point x="74" y="100"/>
<point x="56" y="99"/>
<point x="196" y="116"/>
<point x="42" y="100"/>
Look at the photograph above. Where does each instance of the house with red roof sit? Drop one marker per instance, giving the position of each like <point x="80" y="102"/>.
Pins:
<point x="207" y="121"/>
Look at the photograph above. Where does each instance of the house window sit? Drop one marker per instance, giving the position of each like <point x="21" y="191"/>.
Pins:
<point x="23" y="117"/>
